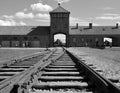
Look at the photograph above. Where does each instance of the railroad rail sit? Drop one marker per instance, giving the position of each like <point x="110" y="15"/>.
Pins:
<point x="13" y="71"/>
<point x="59" y="71"/>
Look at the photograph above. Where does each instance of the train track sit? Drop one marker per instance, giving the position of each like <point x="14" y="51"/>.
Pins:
<point x="12" y="71"/>
<point x="60" y="72"/>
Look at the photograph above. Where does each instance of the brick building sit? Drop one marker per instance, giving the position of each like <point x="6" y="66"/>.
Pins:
<point x="43" y="36"/>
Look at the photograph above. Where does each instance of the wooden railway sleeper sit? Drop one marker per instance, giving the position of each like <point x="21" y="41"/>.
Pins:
<point x="99" y="84"/>
<point x="10" y="87"/>
<point x="27" y="83"/>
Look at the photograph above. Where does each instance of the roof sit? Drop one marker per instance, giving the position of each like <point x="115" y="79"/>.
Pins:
<point x="96" y="30"/>
<point x="23" y="30"/>
<point x="15" y="30"/>
<point x="40" y="30"/>
<point x="60" y="9"/>
<point x="45" y="30"/>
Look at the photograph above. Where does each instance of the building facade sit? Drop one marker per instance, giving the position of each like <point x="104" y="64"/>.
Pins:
<point x="43" y="36"/>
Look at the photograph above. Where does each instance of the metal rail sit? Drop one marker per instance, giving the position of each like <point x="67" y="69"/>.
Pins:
<point x="12" y="61"/>
<point x="10" y="83"/>
<point x="101" y="84"/>
<point x="26" y="80"/>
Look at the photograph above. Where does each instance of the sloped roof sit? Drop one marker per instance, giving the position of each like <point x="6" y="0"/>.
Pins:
<point x="40" y="30"/>
<point x="96" y="30"/>
<point x="60" y="9"/>
<point x="23" y="30"/>
<point x="15" y="30"/>
<point x="45" y="30"/>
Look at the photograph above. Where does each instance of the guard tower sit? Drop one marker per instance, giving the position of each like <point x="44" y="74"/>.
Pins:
<point x="59" y="21"/>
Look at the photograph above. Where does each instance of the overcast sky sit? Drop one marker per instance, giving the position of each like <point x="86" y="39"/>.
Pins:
<point x="36" y="12"/>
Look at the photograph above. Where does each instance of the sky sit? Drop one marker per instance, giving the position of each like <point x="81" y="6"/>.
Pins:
<point x="36" y="12"/>
<point x="61" y="37"/>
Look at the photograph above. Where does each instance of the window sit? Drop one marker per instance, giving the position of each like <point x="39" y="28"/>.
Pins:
<point x="103" y="29"/>
<point x="65" y="25"/>
<point x="74" y="39"/>
<point x="54" y="15"/>
<point x="65" y="15"/>
<point x="82" y="39"/>
<point x="96" y="39"/>
<point x="53" y="26"/>
<point x="35" y="37"/>
<point x="90" y="40"/>
<point x="15" y="38"/>
<point x="25" y="38"/>
<point x="60" y="15"/>
<point x="4" y="37"/>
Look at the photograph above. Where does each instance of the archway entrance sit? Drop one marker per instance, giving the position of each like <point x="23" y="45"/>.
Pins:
<point x="59" y="40"/>
<point x="108" y="42"/>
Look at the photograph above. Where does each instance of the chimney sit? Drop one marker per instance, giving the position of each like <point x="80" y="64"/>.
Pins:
<point x="90" y="25"/>
<point x="117" y="25"/>
<point x="76" y="25"/>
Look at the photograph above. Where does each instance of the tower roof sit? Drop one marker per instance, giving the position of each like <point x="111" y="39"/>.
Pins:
<point x="60" y="9"/>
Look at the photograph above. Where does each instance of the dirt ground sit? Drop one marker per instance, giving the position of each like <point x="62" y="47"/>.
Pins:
<point x="7" y="54"/>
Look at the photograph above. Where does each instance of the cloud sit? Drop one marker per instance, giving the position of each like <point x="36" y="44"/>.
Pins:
<point x="74" y="20"/>
<point x="108" y="8"/>
<point x="41" y="7"/>
<point x="7" y="23"/>
<point x="62" y="1"/>
<point x="108" y="16"/>
<point x="43" y="20"/>
<point x="111" y="14"/>
<point x="42" y="16"/>
<point x="22" y="23"/>
<point x="25" y="9"/>
<point x="11" y="23"/>
<point x="7" y="17"/>
<point x="22" y="15"/>
<point x="9" y="20"/>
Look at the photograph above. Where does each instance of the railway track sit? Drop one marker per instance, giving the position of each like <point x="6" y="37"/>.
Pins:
<point x="61" y="72"/>
<point x="12" y="71"/>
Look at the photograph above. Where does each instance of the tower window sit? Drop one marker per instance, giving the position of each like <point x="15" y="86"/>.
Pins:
<point x="53" y="26"/>
<point x="60" y="15"/>
<point x="65" y="15"/>
<point x="54" y="15"/>
<point x="65" y="25"/>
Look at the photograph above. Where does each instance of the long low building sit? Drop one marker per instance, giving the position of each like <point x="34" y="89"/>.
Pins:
<point x="43" y="36"/>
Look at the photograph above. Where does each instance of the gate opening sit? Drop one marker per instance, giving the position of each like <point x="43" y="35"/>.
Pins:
<point x="59" y="40"/>
<point x="108" y="42"/>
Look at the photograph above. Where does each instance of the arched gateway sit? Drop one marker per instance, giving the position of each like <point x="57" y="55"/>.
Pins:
<point x="59" y="21"/>
<point x="43" y="36"/>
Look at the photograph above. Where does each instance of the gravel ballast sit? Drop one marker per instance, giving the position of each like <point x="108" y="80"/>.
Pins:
<point x="107" y="60"/>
